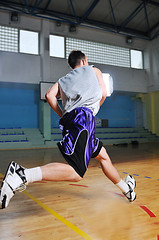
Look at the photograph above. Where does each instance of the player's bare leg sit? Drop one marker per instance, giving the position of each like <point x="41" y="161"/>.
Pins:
<point x="17" y="177"/>
<point x="59" y="172"/>
<point x="127" y="186"/>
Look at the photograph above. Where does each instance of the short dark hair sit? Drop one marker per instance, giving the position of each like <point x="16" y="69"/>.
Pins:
<point x="75" y="57"/>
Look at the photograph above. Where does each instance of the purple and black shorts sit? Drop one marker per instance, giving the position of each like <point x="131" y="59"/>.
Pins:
<point x="79" y="143"/>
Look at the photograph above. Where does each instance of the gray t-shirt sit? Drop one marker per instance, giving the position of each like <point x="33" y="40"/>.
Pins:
<point x="80" y="88"/>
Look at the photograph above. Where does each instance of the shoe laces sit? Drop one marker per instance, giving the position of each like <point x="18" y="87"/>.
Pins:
<point x="21" y="188"/>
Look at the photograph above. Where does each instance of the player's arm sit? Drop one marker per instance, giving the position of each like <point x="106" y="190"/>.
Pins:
<point x="101" y="84"/>
<point x="51" y="96"/>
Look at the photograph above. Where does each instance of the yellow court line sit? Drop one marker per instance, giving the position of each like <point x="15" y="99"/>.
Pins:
<point x="62" y="219"/>
<point x="56" y="215"/>
<point x="1" y="175"/>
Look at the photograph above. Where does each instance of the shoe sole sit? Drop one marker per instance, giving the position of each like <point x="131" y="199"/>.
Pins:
<point x="6" y="172"/>
<point x="4" y="201"/>
<point x="5" y="196"/>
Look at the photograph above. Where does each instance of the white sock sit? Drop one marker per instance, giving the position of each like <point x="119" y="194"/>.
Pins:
<point x="33" y="174"/>
<point x="123" y="186"/>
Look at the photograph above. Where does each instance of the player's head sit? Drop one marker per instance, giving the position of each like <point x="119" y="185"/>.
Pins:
<point x="77" y="59"/>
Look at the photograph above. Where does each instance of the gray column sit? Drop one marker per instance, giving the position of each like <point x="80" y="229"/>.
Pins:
<point x="45" y="120"/>
<point x="44" y="108"/>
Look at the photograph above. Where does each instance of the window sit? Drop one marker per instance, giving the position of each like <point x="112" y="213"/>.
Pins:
<point x="23" y="41"/>
<point x="106" y="54"/>
<point x="100" y="52"/>
<point x="29" y="42"/>
<point x="57" y="46"/>
<point x="8" y="39"/>
<point x="136" y="59"/>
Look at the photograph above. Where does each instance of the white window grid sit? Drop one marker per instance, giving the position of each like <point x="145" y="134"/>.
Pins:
<point x="8" y="39"/>
<point x="96" y="52"/>
<point x="100" y="52"/>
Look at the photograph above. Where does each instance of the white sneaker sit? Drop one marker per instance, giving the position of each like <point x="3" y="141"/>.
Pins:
<point x="131" y="195"/>
<point x="14" y="180"/>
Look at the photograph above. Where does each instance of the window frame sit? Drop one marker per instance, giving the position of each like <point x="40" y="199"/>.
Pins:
<point x="34" y="54"/>
<point x="142" y="58"/>
<point x="64" y="52"/>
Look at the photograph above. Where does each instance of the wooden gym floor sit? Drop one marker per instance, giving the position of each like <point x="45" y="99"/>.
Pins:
<point x="91" y="209"/>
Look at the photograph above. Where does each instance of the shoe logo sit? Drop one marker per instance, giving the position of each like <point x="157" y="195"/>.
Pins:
<point x="21" y="174"/>
<point x="12" y="169"/>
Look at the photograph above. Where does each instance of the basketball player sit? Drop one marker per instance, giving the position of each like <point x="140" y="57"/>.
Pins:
<point x="82" y="92"/>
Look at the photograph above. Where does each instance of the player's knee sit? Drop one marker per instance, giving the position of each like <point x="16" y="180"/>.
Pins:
<point x="103" y="156"/>
<point x="77" y="178"/>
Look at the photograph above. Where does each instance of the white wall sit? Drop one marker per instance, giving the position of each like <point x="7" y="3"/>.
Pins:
<point x="151" y="60"/>
<point x="154" y="66"/>
<point x="16" y="67"/>
<point x="125" y="79"/>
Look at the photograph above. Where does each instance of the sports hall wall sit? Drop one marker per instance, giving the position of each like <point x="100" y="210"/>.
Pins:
<point x="20" y="75"/>
<point x="150" y="102"/>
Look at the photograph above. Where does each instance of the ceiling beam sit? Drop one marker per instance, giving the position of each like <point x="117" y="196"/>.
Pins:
<point x="147" y="20"/>
<point x="110" y="28"/>
<point x="47" y="5"/>
<point x="83" y="21"/>
<point x="154" y="27"/>
<point x="89" y="10"/>
<point x="112" y="11"/>
<point x="151" y="2"/>
<point x="35" y="5"/>
<point x="132" y="15"/>
<point x="74" y="11"/>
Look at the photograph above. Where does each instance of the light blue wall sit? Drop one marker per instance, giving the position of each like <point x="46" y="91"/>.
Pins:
<point x="55" y="118"/>
<point x="19" y="105"/>
<point x="119" y="110"/>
